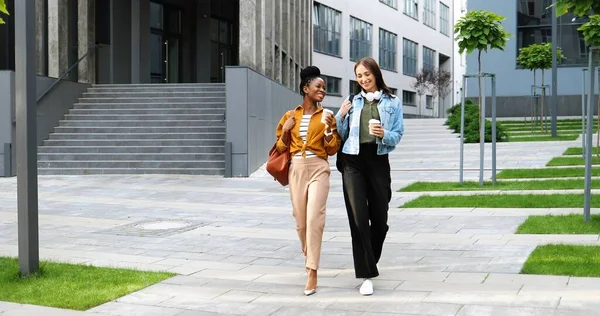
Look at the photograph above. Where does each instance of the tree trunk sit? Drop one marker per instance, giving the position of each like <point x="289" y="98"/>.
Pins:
<point x="598" y="132"/>
<point x="542" y="114"/>
<point x="534" y="112"/>
<point x="479" y="87"/>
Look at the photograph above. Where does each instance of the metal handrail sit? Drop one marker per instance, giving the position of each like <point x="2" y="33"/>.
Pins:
<point x="57" y="81"/>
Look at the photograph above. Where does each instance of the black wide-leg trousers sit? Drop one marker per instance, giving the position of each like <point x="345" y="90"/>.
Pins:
<point x="367" y="193"/>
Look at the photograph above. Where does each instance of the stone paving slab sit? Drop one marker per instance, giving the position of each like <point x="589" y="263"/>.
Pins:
<point x="242" y="256"/>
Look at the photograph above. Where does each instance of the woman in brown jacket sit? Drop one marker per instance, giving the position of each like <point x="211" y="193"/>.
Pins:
<point x="311" y="133"/>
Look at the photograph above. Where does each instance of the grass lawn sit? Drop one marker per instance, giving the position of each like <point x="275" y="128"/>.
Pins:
<point x="513" y="139"/>
<point x="77" y="287"/>
<point x="545" y="173"/>
<point x="560" y="224"/>
<point x="570" y="161"/>
<point x="502" y="201"/>
<point x="500" y="185"/>
<point x="569" y="260"/>
<point x="578" y="151"/>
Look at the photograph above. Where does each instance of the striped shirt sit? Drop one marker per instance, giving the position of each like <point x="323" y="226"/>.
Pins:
<point x="303" y="133"/>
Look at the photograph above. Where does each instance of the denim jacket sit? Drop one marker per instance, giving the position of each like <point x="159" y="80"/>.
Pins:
<point x="391" y="117"/>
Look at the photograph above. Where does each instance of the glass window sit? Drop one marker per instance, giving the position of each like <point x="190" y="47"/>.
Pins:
<point x="353" y="87"/>
<point x="391" y="3"/>
<point x="429" y="102"/>
<point x="409" y="57"/>
<point x="394" y="91"/>
<point x="327" y="28"/>
<point x="409" y="98"/>
<point x="332" y="85"/>
<point x="429" y="13"/>
<point x="411" y="8"/>
<point x="156" y="16"/>
<point x="360" y="39"/>
<point x="444" y="19"/>
<point x="428" y="58"/>
<point x="387" y="50"/>
<point x="534" y="26"/>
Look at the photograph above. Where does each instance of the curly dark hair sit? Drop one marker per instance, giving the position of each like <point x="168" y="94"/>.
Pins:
<point x="307" y="75"/>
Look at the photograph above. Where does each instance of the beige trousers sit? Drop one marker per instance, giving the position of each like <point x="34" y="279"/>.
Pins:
<point x="309" y="188"/>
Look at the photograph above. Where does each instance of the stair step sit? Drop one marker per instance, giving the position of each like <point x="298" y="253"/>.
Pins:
<point x="130" y="156"/>
<point x="141" y="123"/>
<point x="152" y="100"/>
<point x="137" y="136"/>
<point x="144" y="117"/>
<point x="135" y="143"/>
<point x="90" y="171"/>
<point x="157" y="106"/>
<point x="157" y="89"/>
<point x="132" y="164"/>
<point x="220" y="149"/>
<point x="155" y="94"/>
<point x="148" y="111"/>
<point x="140" y="130"/>
<point x="157" y="85"/>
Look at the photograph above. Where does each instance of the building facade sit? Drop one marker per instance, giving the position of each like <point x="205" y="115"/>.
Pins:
<point x="167" y="41"/>
<point x="132" y="42"/>
<point x="529" y="22"/>
<point x="404" y="36"/>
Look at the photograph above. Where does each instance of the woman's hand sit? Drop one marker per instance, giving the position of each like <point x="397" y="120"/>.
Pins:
<point x="345" y="107"/>
<point x="289" y="124"/>
<point x="377" y="130"/>
<point x="329" y="119"/>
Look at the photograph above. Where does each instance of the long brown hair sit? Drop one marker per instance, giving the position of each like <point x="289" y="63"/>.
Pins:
<point x="373" y="67"/>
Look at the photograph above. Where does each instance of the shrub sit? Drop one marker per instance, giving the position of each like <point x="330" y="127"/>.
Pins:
<point x="472" y="124"/>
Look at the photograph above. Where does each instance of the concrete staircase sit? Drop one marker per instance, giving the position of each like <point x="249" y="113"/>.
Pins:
<point x="140" y="129"/>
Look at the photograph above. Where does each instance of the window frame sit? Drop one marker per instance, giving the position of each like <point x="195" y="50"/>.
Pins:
<point x="323" y="30"/>
<point x="445" y="19"/>
<point x="393" y="5"/>
<point x="364" y="43"/>
<point x="429" y="13"/>
<point x="329" y="79"/>
<point x="411" y="9"/>
<point x="409" y="95"/>
<point x="390" y="38"/>
<point x="428" y="52"/>
<point x="413" y="58"/>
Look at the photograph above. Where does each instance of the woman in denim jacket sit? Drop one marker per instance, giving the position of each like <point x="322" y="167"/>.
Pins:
<point x="366" y="169"/>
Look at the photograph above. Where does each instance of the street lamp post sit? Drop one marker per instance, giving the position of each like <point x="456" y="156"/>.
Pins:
<point x="553" y="101"/>
<point x="26" y="140"/>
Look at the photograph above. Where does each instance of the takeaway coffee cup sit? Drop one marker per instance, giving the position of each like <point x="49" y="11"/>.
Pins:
<point x="326" y="112"/>
<point x="373" y="122"/>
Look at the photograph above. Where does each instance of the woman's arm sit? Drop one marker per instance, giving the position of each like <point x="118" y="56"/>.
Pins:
<point x="333" y="142"/>
<point x="283" y="135"/>
<point x="393" y="134"/>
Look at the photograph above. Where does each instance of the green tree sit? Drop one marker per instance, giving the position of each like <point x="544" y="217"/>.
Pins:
<point x="538" y="57"/>
<point x="3" y="10"/>
<point x="590" y="30"/>
<point x="480" y="30"/>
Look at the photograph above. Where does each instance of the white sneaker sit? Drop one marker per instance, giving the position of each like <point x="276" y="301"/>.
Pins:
<point x="367" y="287"/>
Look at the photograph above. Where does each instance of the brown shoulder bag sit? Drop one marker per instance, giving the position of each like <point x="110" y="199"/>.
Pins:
<point x="278" y="164"/>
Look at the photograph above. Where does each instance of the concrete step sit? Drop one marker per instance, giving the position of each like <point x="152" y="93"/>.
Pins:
<point x="90" y="171"/>
<point x="137" y="130"/>
<point x="132" y="164"/>
<point x="158" y="88"/>
<point x="144" y="117"/>
<point x="137" y="136"/>
<point x="156" y="94"/>
<point x="148" y="111"/>
<point x="142" y="123"/>
<point x="135" y="143"/>
<point x="156" y="106"/>
<point x="157" y="85"/>
<point x="130" y="156"/>
<point x="220" y="149"/>
<point x="152" y="100"/>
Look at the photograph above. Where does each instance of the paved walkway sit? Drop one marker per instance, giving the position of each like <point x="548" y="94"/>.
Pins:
<point x="239" y="252"/>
